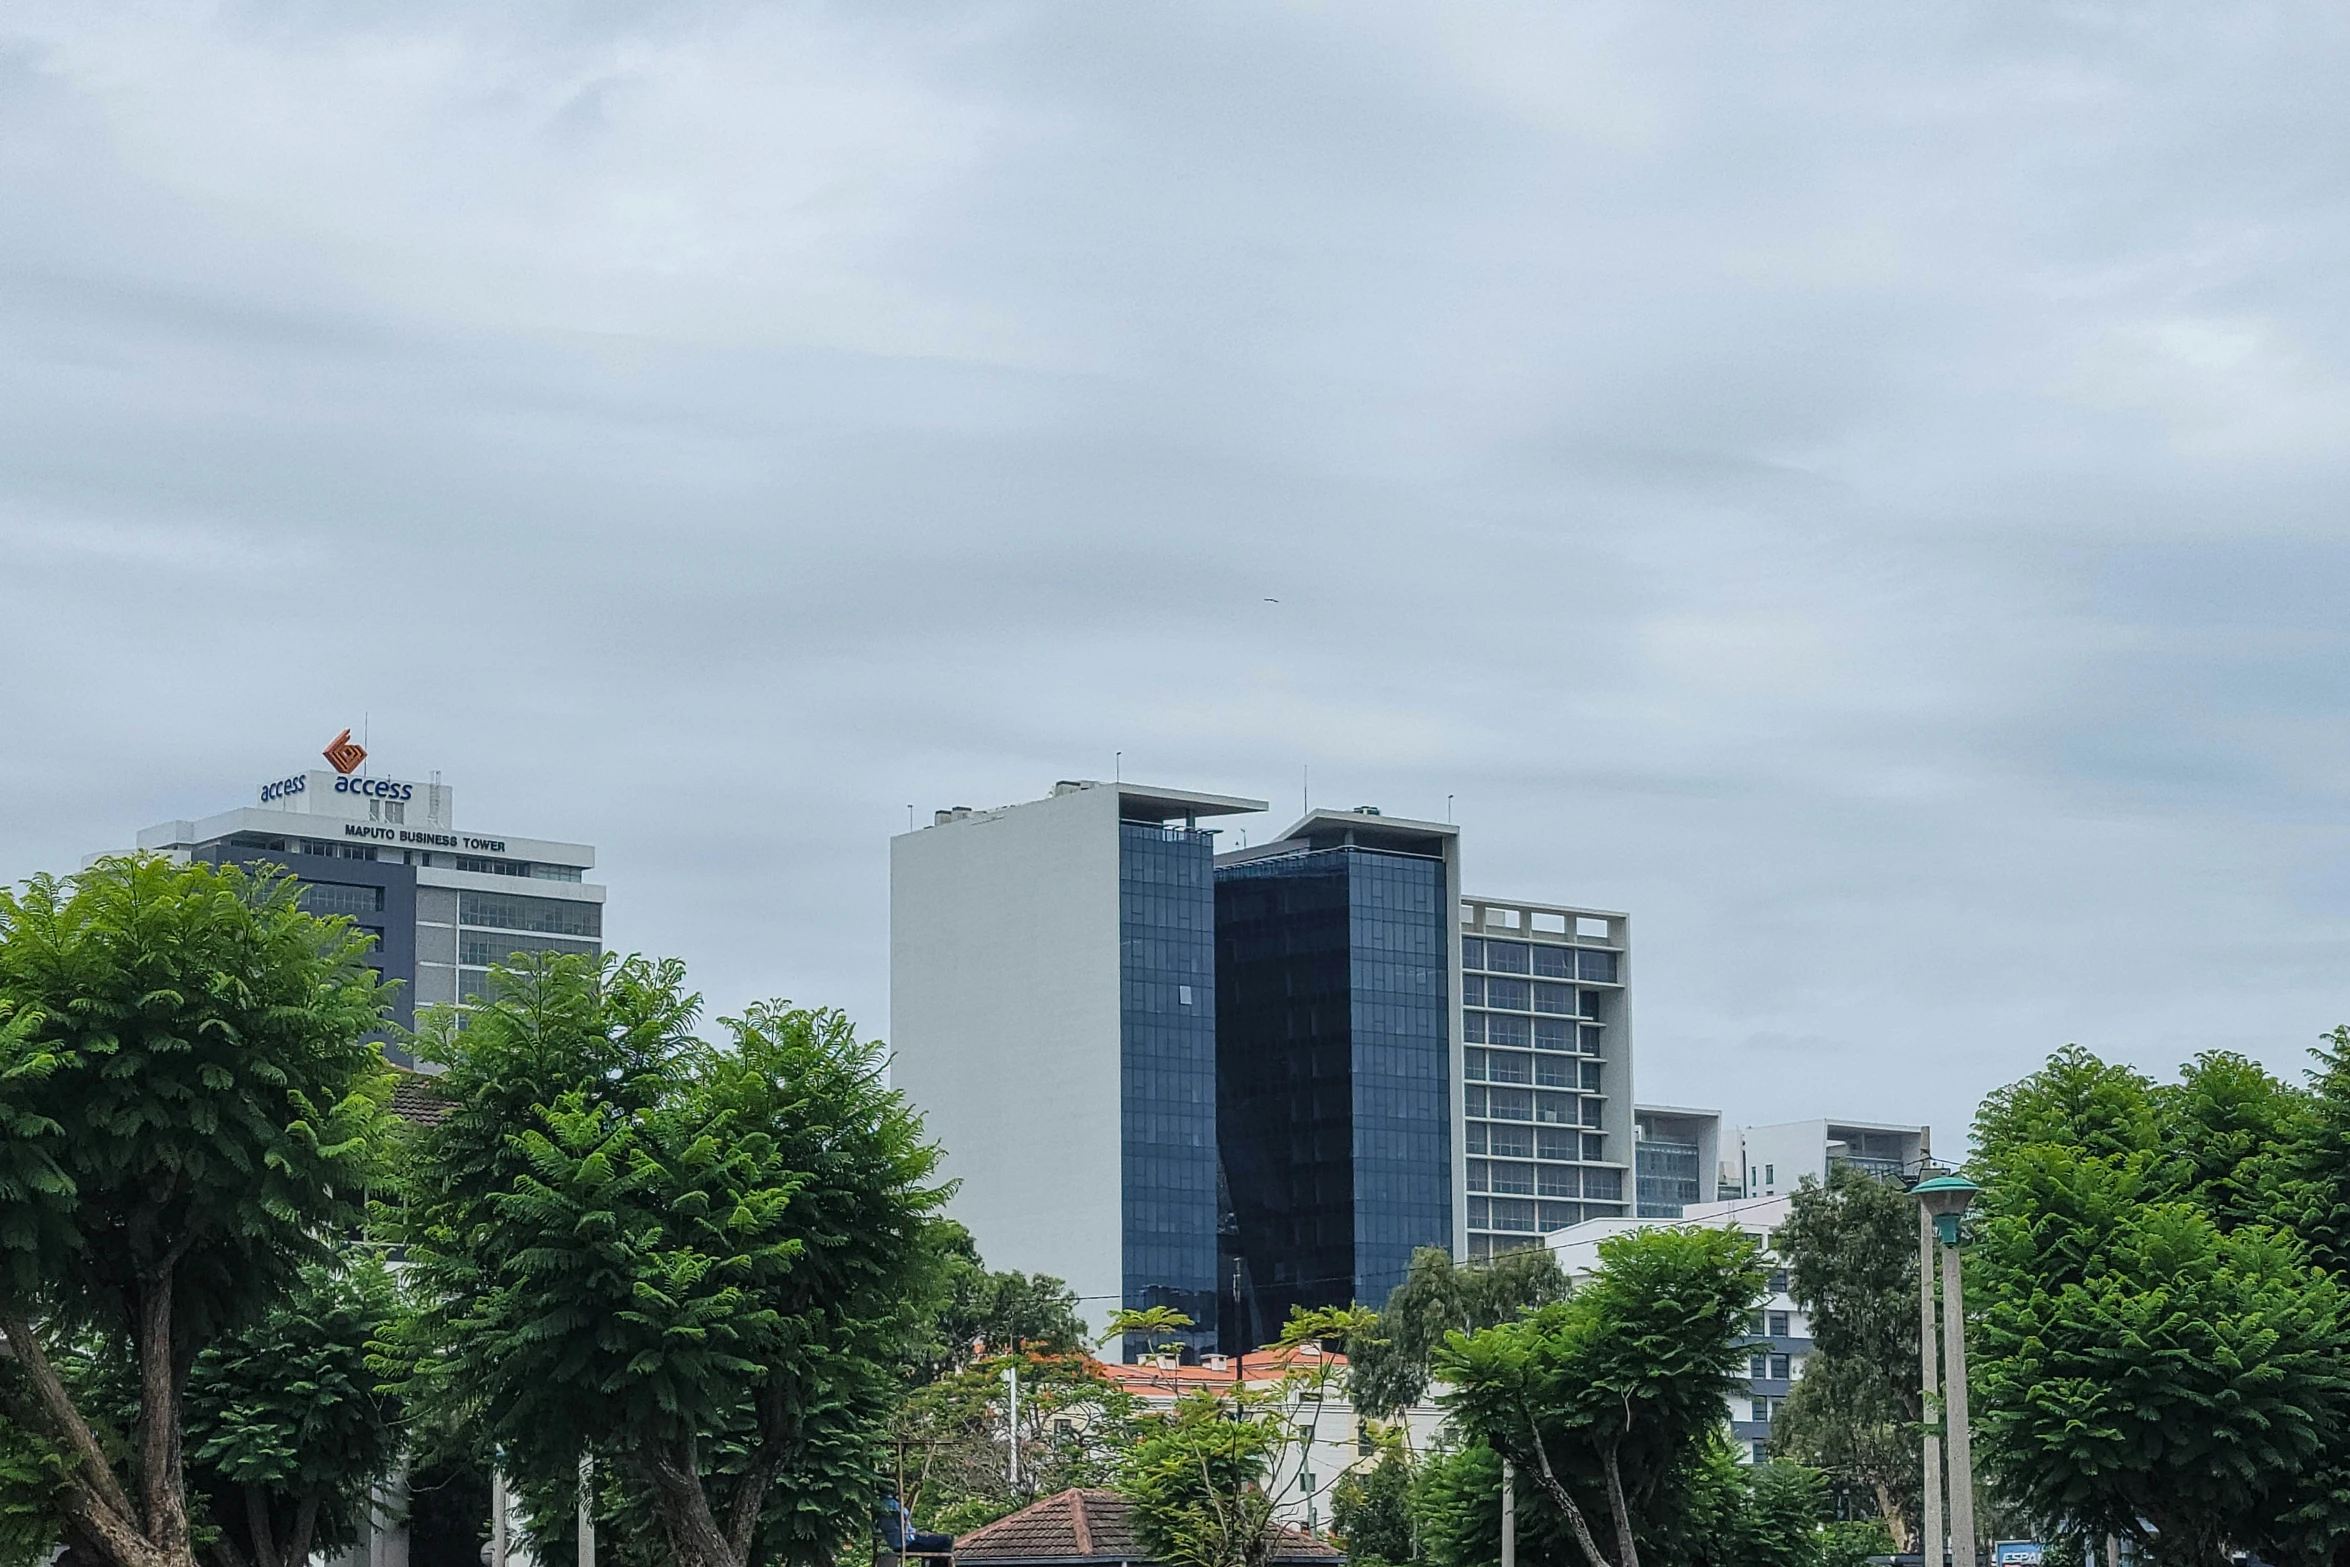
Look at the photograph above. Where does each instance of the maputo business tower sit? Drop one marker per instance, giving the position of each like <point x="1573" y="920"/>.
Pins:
<point x="1235" y="1083"/>
<point x="442" y="902"/>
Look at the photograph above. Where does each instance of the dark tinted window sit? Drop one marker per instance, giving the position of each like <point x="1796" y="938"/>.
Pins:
<point x="1554" y="962"/>
<point x="1599" y="966"/>
<point x="1472" y="990"/>
<point x="1510" y="993"/>
<point x="510" y="911"/>
<point x="326" y="897"/>
<point x="1606" y="1185"/>
<point x="1506" y="957"/>
<point x="1554" y="998"/>
<point x="1472" y="952"/>
<point x="1551" y="1034"/>
<point x="1503" y="1029"/>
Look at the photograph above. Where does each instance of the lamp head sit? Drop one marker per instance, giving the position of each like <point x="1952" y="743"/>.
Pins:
<point x="1945" y="1198"/>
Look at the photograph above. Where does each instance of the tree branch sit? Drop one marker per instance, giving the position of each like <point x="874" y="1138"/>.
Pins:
<point x="684" y="1505"/>
<point x="750" y="1497"/>
<point x="306" y="1525"/>
<point x="1625" y="1547"/>
<point x="1565" y="1503"/>
<point x="94" y="1475"/>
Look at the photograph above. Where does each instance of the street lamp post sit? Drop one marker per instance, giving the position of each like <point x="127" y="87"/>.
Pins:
<point x="1930" y="1380"/>
<point x="1944" y="1199"/>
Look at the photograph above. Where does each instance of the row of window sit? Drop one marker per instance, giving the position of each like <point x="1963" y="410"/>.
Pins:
<point x="1529" y="995"/>
<point x="326" y="897"/>
<point x="1527" y="1104"/>
<point x="1507" y="1066"/>
<point x="1518" y="957"/>
<point x="485" y="948"/>
<point x="512" y="911"/>
<point x="1539" y="1033"/>
<point x="1771" y="1324"/>
<point x="1525" y="1217"/>
<point x="1771" y="1368"/>
<point x="1534" y="1142"/>
<point x="1545" y="1180"/>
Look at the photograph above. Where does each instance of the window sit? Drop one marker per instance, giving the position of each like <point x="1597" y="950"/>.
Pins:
<point x="1554" y="998"/>
<point x="1762" y="1451"/>
<point x="1587" y="927"/>
<point x="1507" y="957"/>
<point x="1480" y="1213"/>
<point x="1558" y="1180"/>
<point x="1472" y="990"/>
<point x="1550" y="1072"/>
<point x="1472" y="952"/>
<point x="1558" y="1109"/>
<point x="1779" y="1324"/>
<point x="1587" y="1003"/>
<point x="1757" y="1324"/>
<point x="1473" y="1101"/>
<point x="1510" y="994"/>
<point x="1513" y="1177"/>
<point x="1507" y="1066"/>
<point x="1758" y="1367"/>
<point x="1591" y="1111"/>
<point x="557" y="916"/>
<point x="1770" y="1175"/>
<point x="482" y="867"/>
<point x="326" y="897"/>
<point x="1512" y="1142"/>
<point x="1480" y="1176"/>
<point x="483" y="948"/>
<point x="1760" y="1411"/>
<point x="1503" y="1029"/>
<point x="1590" y="1036"/>
<point x="1606" y="1185"/>
<point x="1558" y="1145"/>
<point x="1476" y="1137"/>
<point x="1554" y="963"/>
<point x="1559" y="1215"/>
<point x="1509" y="1104"/>
<point x="1596" y="966"/>
<point x="1512" y="1213"/>
<point x="1473" y="1026"/>
<point x="1781" y="1368"/>
<point x="1551" y="924"/>
<point x="1473" y="1065"/>
<point x="1591" y="1075"/>
<point x="1552" y="1034"/>
<point x="1778" y="1281"/>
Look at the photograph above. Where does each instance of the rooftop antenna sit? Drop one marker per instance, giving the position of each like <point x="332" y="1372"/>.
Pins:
<point x="1305" y="790"/>
<point x="909" y="816"/>
<point x="1448" y="810"/>
<point x="1117" y="767"/>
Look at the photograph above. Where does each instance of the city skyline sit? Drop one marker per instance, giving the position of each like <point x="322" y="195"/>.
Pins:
<point x="1859" y="491"/>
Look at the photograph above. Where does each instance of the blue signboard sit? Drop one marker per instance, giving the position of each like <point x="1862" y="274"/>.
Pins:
<point x="2016" y="1553"/>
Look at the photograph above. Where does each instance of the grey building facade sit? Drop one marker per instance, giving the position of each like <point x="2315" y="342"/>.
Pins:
<point x="1546" y="1070"/>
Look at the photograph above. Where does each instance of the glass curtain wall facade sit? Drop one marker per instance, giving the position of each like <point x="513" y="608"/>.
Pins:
<point x="1167" y="1073"/>
<point x="1536" y="1064"/>
<point x="1333" y="1084"/>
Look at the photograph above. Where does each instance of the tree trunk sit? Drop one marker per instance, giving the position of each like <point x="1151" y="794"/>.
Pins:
<point x="257" y="1527"/>
<point x="1616" y="1504"/>
<point x="306" y="1525"/>
<point x="1565" y="1503"/>
<point x="678" y="1494"/>
<point x="99" y="1513"/>
<point x="1896" y="1522"/>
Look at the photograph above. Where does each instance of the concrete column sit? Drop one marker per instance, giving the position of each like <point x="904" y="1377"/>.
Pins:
<point x="1930" y="1372"/>
<point x="1509" y="1514"/>
<point x="1962" y="1465"/>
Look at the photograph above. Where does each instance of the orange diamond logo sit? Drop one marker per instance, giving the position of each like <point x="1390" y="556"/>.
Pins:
<point x="344" y="753"/>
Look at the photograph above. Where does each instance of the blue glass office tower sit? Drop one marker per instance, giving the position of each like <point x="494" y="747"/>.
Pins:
<point x="1052" y="1015"/>
<point x="1334" y="1053"/>
<point x="1167" y="1070"/>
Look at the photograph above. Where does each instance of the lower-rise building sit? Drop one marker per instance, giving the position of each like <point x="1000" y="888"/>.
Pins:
<point x="1777" y="1158"/>
<point x="1546" y="1069"/>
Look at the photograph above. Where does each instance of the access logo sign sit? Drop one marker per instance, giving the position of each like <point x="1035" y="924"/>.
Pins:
<point x="344" y="754"/>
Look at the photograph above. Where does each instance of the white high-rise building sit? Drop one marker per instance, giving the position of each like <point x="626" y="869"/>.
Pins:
<point x="443" y="902"/>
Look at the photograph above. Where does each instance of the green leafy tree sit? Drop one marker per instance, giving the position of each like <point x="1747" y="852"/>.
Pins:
<point x="1389" y="1360"/>
<point x="2140" y="1361"/>
<point x="1154" y="1325"/>
<point x="984" y="1311"/>
<point x="1851" y="1249"/>
<point x="1075" y="1426"/>
<point x="189" y="1108"/>
<point x="1371" y="1508"/>
<point x="288" y="1430"/>
<point x="1608" y="1400"/>
<point x="704" y="1264"/>
<point x="1198" y="1479"/>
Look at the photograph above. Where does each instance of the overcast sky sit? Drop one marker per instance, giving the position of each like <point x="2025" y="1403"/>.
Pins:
<point x="1860" y="488"/>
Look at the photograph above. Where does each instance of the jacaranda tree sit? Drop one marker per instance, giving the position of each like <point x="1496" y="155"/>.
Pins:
<point x="702" y="1263"/>
<point x="189" y="1111"/>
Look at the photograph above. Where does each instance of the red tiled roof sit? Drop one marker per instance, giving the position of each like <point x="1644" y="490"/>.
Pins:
<point x="415" y="1099"/>
<point x="1095" y="1526"/>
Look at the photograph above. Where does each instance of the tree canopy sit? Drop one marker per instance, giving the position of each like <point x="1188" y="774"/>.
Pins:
<point x="1609" y="1400"/>
<point x="702" y="1263"/>
<point x="189" y="1110"/>
<point x="1388" y="1362"/>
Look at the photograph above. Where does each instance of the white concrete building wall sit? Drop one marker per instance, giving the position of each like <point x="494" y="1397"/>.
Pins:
<point x="1004" y="1027"/>
<point x="1777" y="1158"/>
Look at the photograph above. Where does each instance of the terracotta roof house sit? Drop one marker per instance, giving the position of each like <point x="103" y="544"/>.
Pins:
<point x="1077" y="1526"/>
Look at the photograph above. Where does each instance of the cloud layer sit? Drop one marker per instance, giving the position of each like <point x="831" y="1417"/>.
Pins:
<point x="1861" y="489"/>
